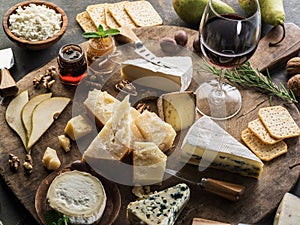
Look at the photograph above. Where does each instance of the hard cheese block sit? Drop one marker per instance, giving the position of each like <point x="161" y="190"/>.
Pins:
<point x="178" y="109"/>
<point x="208" y="145"/>
<point x="288" y="212"/>
<point x="78" y="195"/>
<point x="147" y="74"/>
<point x="149" y="163"/>
<point x="161" y="208"/>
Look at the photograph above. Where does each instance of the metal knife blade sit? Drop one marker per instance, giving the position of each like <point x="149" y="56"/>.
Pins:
<point x="230" y="191"/>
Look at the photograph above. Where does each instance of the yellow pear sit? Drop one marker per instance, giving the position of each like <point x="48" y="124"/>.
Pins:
<point x="13" y="115"/>
<point x="28" y="109"/>
<point x="44" y="114"/>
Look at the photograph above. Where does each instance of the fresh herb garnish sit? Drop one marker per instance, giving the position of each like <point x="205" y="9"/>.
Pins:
<point x="246" y="76"/>
<point x="53" y="217"/>
<point x="101" y="33"/>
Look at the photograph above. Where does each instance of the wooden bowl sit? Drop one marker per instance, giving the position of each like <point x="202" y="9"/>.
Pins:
<point x="34" y="45"/>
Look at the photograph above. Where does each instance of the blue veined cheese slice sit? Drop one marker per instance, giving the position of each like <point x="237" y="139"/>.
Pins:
<point x="147" y="74"/>
<point x="78" y="195"/>
<point x="208" y="145"/>
<point x="161" y="208"/>
<point x="288" y="212"/>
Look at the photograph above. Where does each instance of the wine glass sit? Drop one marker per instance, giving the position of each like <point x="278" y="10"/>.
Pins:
<point x="228" y="38"/>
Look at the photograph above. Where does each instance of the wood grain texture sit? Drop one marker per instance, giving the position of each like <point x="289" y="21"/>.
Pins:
<point x="261" y="196"/>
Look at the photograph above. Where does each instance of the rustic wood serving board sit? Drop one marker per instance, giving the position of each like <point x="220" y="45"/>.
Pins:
<point x="261" y="197"/>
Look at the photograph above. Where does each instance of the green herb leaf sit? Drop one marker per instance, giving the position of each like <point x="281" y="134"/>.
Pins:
<point x="101" y="33"/>
<point x="246" y="76"/>
<point x="53" y="217"/>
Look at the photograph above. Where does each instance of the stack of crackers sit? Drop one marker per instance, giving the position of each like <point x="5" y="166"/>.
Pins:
<point x="265" y="135"/>
<point x="130" y="14"/>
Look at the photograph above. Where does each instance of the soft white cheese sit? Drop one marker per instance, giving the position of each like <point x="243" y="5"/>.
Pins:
<point x="147" y="74"/>
<point x="79" y="195"/>
<point x="35" y="22"/>
<point x="208" y="145"/>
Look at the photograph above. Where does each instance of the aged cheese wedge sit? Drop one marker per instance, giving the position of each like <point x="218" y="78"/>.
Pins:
<point x="13" y="115"/>
<point x="154" y="129"/>
<point x="47" y="111"/>
<point x="149" y="163"/>
<point x="100" y="107"/>
<point x="161" y="208"/>
<point x="288" y="212"/>
<point x="78" y="127"/>
<point x="50" y="159"/>
<point x="79" y="195"/>
<point x="147" y="74"/>
<point x="208" y="145"/>
<point x="177" y="109"/>
<point x="114" y="138"/>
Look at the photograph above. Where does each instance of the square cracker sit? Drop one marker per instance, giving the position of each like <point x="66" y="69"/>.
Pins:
<point x="118" y="12"/>
<point x="85" y="22"/>
<point x="97" y="14"/>
<point x="143" y="14"/>
<point x="110" y="21"/>
<point x="278" y="122"/>
<point x="263" y="151"/>
<point x="259" y="130"/>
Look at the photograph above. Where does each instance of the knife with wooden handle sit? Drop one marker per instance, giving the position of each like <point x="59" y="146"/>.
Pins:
<point x="230" y="191"/>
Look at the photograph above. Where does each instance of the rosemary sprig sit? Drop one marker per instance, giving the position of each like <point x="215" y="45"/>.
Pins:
<point x="248" y="77"/>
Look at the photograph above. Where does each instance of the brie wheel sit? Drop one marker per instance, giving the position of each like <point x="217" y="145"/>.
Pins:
<point x="78" y="195"/>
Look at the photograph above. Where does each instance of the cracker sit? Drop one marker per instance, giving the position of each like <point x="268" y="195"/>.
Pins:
<point x="143" y="14"/>
<point x="263" y="151"/>
<point x="259" y="130"/>
<point x="97" y="14"/>
<point x="278" y="122"/>
<point x="85" y="22"/>
<point x="118" y="12"/>
<point x="110" y="21"/>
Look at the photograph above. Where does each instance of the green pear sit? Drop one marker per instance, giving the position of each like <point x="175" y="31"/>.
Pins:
<point x="44" y="114"/>
<point x="28" y="109"/>
<point x="190" y="11"/>
<point x="13" y="115"/>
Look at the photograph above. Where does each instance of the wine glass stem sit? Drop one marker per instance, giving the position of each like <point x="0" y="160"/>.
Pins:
<point x="218" y="94"/>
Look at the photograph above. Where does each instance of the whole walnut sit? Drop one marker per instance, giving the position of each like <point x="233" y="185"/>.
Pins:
<point x="293" y="66"/>
<point x="294" y="85"/>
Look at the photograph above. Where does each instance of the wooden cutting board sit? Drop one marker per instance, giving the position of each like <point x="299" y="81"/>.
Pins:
<point x="261" y="197"/>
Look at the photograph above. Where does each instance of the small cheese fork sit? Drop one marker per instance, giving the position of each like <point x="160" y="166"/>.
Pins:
<point x="230" y="191"/>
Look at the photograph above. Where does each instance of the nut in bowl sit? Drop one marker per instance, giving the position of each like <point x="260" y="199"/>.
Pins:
<point x="47" y="24"/>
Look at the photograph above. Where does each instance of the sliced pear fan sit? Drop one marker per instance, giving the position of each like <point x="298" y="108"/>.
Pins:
<point x="44" y="114"/>
<point x="28" y="109"/>
<point x="13" y="115"/>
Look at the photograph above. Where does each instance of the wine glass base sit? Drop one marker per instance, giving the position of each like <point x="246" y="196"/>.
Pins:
<point x="218" y="104"/>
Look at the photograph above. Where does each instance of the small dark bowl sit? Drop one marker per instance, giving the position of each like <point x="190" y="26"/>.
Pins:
<point x="35" y="45"/>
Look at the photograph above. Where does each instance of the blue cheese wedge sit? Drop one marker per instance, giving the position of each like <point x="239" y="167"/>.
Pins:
<point x="149" y="163"/>
<point x="161" y="208"/>
<point x="288" y="212"/>
<point x="79" y="195"/>
<point x="208" y="145"/>
<point x="147" y="74"/>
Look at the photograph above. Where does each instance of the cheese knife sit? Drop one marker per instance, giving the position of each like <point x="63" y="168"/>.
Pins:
<point x="127" y="35"/>
<point x="230" y="191"/>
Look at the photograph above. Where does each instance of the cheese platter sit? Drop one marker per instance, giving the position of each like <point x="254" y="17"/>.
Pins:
<point x="263" y="194"/>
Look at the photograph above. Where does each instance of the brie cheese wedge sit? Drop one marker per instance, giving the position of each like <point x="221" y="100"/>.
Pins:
<point x="78" y="195"/>
<point x="147" y="74"/>
<point x="208" y="145"/>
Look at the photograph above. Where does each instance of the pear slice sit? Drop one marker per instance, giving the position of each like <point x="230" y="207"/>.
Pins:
<point x="28" y="109"/>
<point x="13" y="115"/>
<point x="44" y="114"/>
